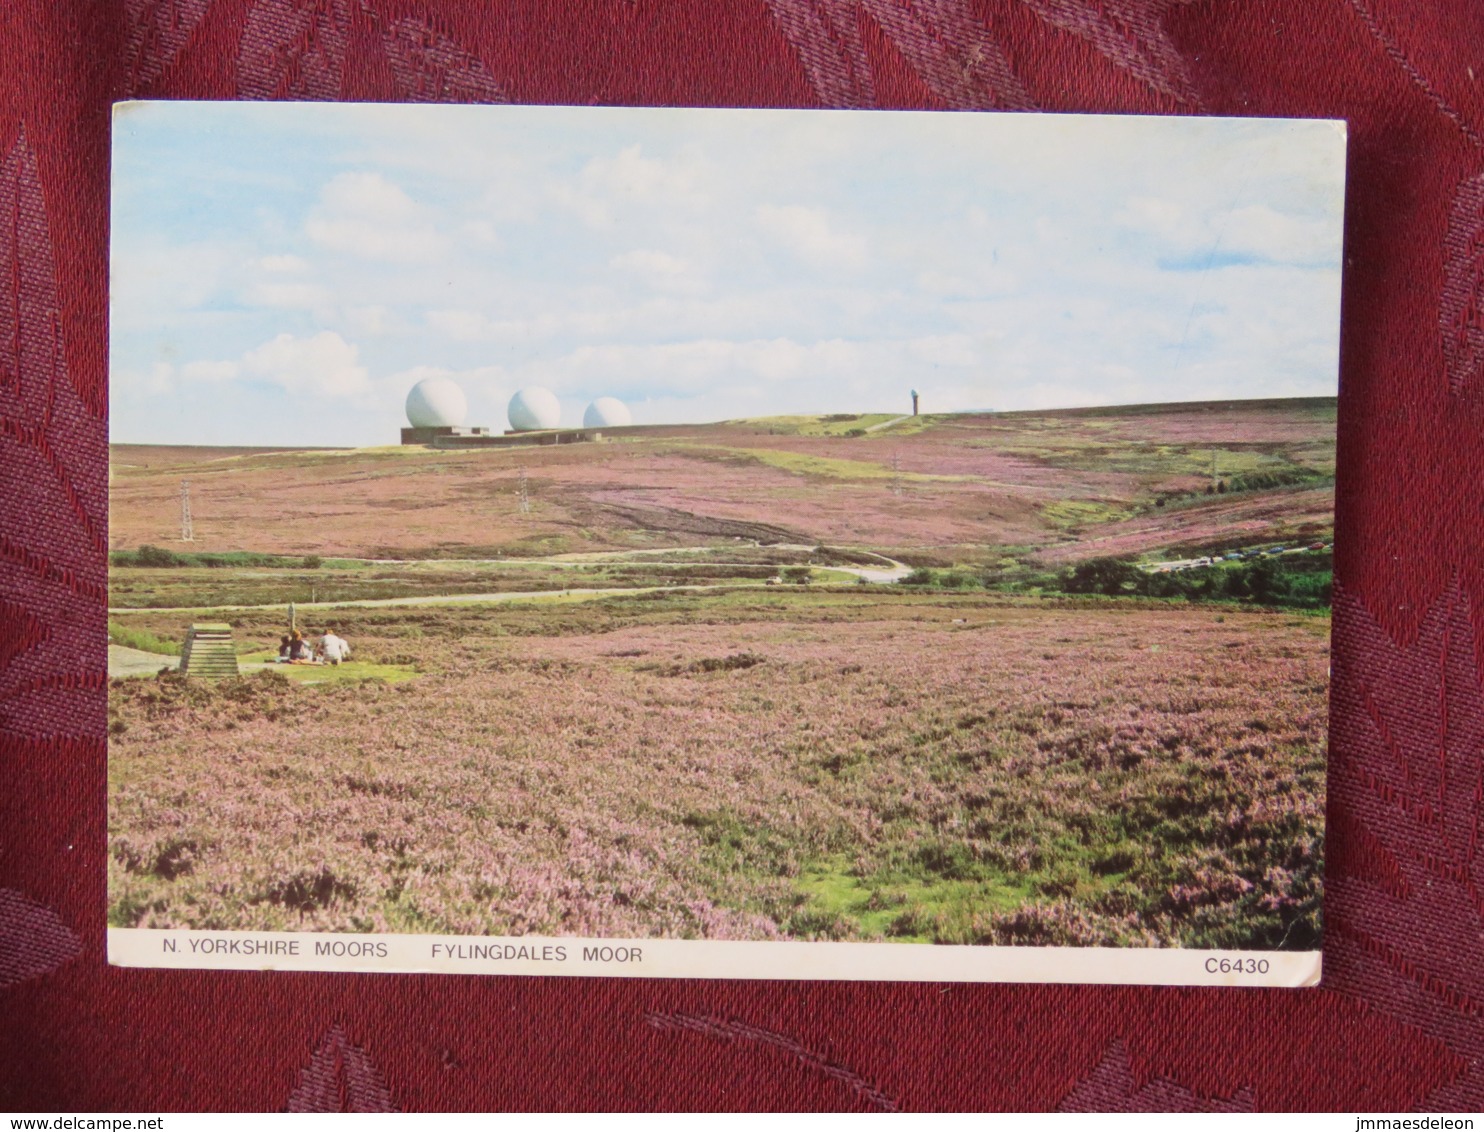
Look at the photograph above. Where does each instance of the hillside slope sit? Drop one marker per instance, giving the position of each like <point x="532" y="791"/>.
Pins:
<point x="1056" y="485"/>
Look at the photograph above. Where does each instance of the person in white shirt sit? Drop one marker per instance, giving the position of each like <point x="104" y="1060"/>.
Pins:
<point x="334" y="649"/>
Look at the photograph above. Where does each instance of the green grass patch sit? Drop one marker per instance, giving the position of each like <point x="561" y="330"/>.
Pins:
<point x="825" y="576"/>
<point x="801" y="464"/>
<point x="350" y="672"/>
<point x="900" y="908"/>
<point x="137" y="637"/>
<point x="844" y="424"/>
<point x="1067" y="513"/>
<point x="835" y="424"/>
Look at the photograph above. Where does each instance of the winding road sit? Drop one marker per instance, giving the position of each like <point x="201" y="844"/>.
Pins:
<point x="874" y="574"/>
<point x="124" y="661"/>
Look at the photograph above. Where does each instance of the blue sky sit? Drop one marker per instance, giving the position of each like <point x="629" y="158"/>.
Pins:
<point x="283" y="274"/>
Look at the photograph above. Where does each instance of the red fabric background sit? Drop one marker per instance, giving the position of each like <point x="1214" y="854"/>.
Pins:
<point x="1399" y="1023"/>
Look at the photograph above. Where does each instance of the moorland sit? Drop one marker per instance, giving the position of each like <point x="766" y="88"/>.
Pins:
<point x="1051" y="677"/>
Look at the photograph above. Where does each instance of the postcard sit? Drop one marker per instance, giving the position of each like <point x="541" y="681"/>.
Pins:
<point x="721" y="543"/>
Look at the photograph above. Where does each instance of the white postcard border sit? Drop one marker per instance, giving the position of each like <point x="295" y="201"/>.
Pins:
<point x="192" y="949"/>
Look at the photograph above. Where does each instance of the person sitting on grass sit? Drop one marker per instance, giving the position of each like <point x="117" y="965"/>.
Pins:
<point x="283" y="650"/>
<point x="334" y="649"/>
<point x="299" y="650"/>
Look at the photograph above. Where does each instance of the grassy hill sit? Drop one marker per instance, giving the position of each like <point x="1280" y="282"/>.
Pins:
<point x="1040" y="487"/>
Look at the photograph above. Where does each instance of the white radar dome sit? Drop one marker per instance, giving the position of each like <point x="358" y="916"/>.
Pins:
<point x="607" y="412"/>
<point x="436" y="402"/>
<point x="534" y="409"/>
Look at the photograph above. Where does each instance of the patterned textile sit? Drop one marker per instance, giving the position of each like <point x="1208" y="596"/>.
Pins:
<point x="1399" y="1022"/>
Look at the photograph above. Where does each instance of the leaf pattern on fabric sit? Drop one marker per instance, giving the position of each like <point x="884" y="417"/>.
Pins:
<point x="1131" y="34"/>
<point x="946" y="45"/>
<point x="1395" y="53"/>
<point x="430" y="67"/>
<point x="1407" y="768"/>
<point x="340" y="1077"/>
<point x="33" y="940"/>
<point x="732" y="1031"/>
<point x="1461" y="304"/>
<point x="952" y="52"/>
<point x="294" y="49"/>
<point x="52" y="514"/>
<point x="23" y="631"/>
<point x="155" y="32"/>
<point x="827" y="36"/>
<point x="1110" y="1088"/>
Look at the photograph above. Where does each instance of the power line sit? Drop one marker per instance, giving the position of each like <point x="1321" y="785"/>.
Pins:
<point x="187" y="532"/>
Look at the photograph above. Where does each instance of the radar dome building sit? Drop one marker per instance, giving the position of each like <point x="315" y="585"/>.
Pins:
<point x="436" y="409"/>
<point x="607" y="412"/>
<point x="535" y="409"/>
<point x="436" y="402"/>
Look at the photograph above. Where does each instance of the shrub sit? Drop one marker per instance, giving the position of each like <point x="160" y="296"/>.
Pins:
<point x="1264" y="581"/>
<point x="1103" y="576"/>
<point x="1275" y="477"/>
<point x="157" y="556"/>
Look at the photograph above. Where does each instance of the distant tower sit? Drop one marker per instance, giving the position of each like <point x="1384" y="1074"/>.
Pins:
<point x="914" y="402"/>
<point x="525" y="494"/>
<point x="187" y="534"/>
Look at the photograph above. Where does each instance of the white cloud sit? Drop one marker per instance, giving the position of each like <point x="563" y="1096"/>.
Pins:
<point x="813" y="370"/>
<point x="474" y="326"/>
<point x="978" y="280"/>
<point x="1264" y="233"/>
<point x="810" y="234"/>
<point x="660" y="270"/>
<point x="153" y="381"/>
<point x="629" y="182"/>
<point x="1254" y="232"/>
<point x="482" y="232"/>
<point x="1166" y="219"/>
<point x="209" y="371"/>
<point x="630" y="174"/>
<point x="283" y="263"/>
<point x="461" y="325"/>
<point x="324" y="365"/>
<point x="289" y="296"/>
<point x="152" y="281"/>
<point x="364" y="214"/>
<point x="961" y="350"/>
<point x="373" y="320"/>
